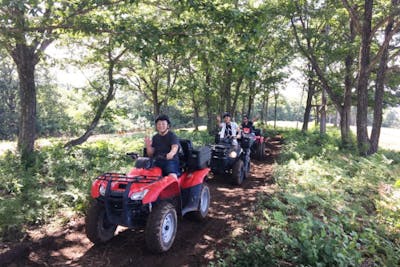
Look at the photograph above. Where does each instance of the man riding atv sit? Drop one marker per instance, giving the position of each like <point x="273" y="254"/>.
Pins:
<point x="154" y="193"/>
<point x="228" y="128"/>
<point x="164" y="147"/>
<point x="227" y="157"/>
<point x="257" y="149"/>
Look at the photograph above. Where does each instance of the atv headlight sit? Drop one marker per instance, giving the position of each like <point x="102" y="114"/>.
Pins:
<point x="139" y="195"/>
<point x="102" y="190"/>
<point x="233" y="154"/>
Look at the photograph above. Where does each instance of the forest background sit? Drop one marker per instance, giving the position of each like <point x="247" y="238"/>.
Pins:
<point x="194" y="60"/>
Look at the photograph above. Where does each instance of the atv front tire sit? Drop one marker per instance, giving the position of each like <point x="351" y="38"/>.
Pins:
<point x="204" y="204"/>
<point x="98" y="228"/>
<point x="238" y="173"/>
<point x="161" y="227"/>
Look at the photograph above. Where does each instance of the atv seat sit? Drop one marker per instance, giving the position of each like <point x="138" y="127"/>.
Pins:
<point x="185" y="151"/>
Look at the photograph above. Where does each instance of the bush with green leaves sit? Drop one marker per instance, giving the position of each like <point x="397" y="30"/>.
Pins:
<point x="57" y="182"/>
<point x="331" y="208"/>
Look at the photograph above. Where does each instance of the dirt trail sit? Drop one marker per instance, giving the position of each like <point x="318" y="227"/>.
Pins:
<point x="195" y="244"/>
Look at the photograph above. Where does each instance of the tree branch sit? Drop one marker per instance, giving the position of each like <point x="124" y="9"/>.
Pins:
<point x="353" y="15"/>
<point x="384" y="45"/>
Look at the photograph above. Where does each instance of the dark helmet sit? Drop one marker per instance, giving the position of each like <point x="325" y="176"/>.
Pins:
<point x="226" y="114"/>
<point x="162" y="117"/>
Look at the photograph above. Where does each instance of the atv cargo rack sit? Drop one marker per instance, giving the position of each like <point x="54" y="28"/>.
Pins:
<point x="121" y="177"/>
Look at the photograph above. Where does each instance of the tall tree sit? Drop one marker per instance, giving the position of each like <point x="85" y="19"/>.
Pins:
<point x="110" y="58"/>
<point x="380" y="86"/>
<point x="329" y="57"/>
<point x="27" y="29"/>
<point x="364" y="18"/>
<point x="310" y="95"/>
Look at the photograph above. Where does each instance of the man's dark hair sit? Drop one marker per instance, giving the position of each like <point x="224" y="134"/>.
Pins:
<point x="227" y="114"/>
<point x="162" y="117"/>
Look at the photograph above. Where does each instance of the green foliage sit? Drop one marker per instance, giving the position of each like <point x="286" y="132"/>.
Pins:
<point x="58" y="181"/>
<point x="305" y="145"/>
<point x="198" y="138"/>
<point x="253" y="253"/>
<point x="8" y="98"/>
<point x="52" y="118"/>
<point x="331" y="208"/>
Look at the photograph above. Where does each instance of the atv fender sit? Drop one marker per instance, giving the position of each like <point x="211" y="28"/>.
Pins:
<point x="191" y="198"/>
<point x="94" y="191"/>
<point x="166" y="188"/>
<point x="194" y="178"/>
<point x="100" y="180"/>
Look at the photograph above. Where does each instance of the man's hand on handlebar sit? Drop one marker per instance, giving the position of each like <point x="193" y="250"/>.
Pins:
<point x="170" y="155"/>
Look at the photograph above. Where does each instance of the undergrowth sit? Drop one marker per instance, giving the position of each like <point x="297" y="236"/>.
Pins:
<point x="331" y="208"/>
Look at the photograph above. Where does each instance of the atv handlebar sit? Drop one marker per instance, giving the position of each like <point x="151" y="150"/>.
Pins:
<point x="133" y="155"/>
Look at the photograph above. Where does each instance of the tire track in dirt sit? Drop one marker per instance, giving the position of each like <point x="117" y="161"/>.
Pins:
<point x="196" y="243"/>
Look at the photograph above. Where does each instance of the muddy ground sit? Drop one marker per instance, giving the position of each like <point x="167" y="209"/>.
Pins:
<point x="196" y="244"/>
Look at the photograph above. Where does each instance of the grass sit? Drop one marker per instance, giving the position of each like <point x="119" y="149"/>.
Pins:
<point x="331" y="208"/>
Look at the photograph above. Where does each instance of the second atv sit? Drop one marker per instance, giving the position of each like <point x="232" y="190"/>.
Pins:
<point x="232" y="161"/>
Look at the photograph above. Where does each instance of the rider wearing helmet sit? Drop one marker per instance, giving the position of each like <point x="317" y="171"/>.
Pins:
<point x="246" y="123"/>
<point x="164" y="147"/>
<point x="229" y="129"/>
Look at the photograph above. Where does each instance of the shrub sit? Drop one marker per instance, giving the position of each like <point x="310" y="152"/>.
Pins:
<point x="331" y="208"/>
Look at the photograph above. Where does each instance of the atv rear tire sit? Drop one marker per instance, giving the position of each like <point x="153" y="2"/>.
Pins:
<point x="246" y="168"/>
<point x="204" y="204"/>
<point x="98" y="228"/>
<point x="260" y="152"/>
<point x="238" y="173"/>
<point x="161" y="227"/>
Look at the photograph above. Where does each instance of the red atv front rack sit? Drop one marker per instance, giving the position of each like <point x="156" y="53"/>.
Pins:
<point x="121" y="177"/>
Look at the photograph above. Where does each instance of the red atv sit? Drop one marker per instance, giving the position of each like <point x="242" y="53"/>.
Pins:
<point x="144" y="199"/>
<point x="258" y="147"/>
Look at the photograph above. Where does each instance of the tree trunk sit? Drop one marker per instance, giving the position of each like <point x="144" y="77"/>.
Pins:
<point x="236" y="96"/>
<point x="251" y="98"/>
<point x="196" y="118"/>
<point x="207" y="100"/>
<point x="26" y="60"/>
<point x="322" y="111"/>
<point x="379" y="92"/>
<point x="99" y="112"/>
<point x="264" y="111"/>
<point x="243" y="108"/>
<point x="227" y="89"/>
<point x="307" y="111"/>
<point x="275" y="106"/>
<point x="196" y="108"/>
<point x="156" y="103"/>
<point x="345" y="109"/>
<point x="363" y="79"/>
